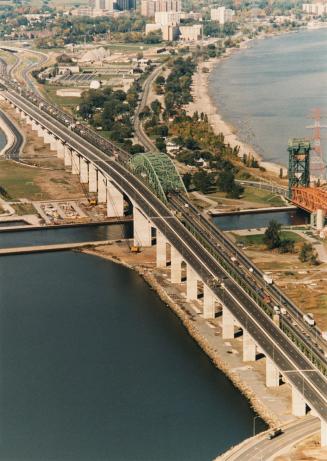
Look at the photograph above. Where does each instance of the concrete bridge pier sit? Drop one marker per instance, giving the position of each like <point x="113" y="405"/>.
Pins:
<point x="298" y="403"/>
<point x="67" y="156"/>
<point x="175" y="266"/>
<point x="249" y="347"/>
<point x="40" y="131"/>
<point x="142" y="229"/>
<point x="53" y="142"/>
<point x="83" y="171"/>
<point x="115" y="201"/>
<point x="102" y="188"/>
<point x="93" y="179"/>
<point x="46" y="137"/>
<point x="161" y="253"/>
<point x="209" y="303"/>
<point x="34" y="125"/>
<point x="191" y="284"/>
<point x="75" y="163"/>
<point x="228" y="324"/>
<point x="60" y="149"/>
<point x="272" y="373"/>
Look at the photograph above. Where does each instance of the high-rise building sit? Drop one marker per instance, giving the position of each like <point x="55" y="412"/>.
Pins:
<point x="222" y="14"/>
<point x="107" y="5"/>
<point x="125" y="5"/>
<point x="150" y="7"/>
<point x="167" y="18"/>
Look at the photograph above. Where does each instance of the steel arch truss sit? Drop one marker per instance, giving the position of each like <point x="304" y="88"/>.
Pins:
<point x="158" y="170"/>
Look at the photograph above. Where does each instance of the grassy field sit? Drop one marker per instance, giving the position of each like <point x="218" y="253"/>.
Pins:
<point x="18" y="181"/>
<point x="257" y="239"/>
<point x="50" y="93"/>
<point x="262" y="196"/>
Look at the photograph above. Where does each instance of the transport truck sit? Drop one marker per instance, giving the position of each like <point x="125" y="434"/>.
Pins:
<point x="267" y="279"/>
<point x="308" y="318"/>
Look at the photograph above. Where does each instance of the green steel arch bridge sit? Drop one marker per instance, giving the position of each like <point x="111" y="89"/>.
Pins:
<point x="159" y="172"/>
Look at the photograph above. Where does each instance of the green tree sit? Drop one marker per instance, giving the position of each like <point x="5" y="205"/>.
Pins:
<point x="187" y="180"/>
<point x="308" y="254"/>
<point x="202" y="181"/>
<point x="156" y="106"/>
<point x="272" y="235"/>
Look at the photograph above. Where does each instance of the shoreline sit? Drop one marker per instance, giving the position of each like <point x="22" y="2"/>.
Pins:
<point x="203" y="102"/>
<point x="149" y="275"/>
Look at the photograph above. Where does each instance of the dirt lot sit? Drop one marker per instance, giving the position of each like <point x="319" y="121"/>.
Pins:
<point x="303" y="283"/>
<point x="41" y="175"/>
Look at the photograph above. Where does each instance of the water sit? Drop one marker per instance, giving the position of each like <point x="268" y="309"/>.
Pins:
<point x="65" y="235"/>
<point x="95" y="367"/>
<point x="268" y="90"/>
<point x="257" y="220"/>
<point x="3" y="140"/>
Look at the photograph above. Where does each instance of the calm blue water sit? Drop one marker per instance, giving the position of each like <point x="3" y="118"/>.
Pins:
<point x="257" y="220"/>
<point x="65" y="235"/>
<point x="268" y="90"/>
<point x="3" y="140"/>
<point x="94" y="367"/>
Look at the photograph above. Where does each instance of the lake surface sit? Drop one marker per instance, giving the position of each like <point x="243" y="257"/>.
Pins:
<point x="65" y="235"/>
<point x="257" y="220"/>
<point x="268" y="90"/>
<point x="3" y="140"/>
<point x="95" y="367"/>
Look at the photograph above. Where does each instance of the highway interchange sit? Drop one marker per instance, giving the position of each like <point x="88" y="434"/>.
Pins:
<point x="288" y="358"/>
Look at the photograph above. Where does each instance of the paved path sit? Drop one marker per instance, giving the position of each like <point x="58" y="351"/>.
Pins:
<point x="138" y="127"/>
<point x="46" y="248"/>
<point x="259" y="448"/>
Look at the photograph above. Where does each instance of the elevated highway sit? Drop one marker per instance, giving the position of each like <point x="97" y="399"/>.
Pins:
<point x="239" y="306"/>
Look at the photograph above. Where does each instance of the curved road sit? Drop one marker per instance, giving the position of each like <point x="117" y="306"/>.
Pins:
<point x="138" y="127"/>
<point x="259" y="448"/>
<point x="13" y="151"/>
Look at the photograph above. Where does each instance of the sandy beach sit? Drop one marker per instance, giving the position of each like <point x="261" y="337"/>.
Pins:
<point x="202" y="102"/>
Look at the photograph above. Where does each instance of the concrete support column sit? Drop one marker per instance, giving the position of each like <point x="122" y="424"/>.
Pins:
<point x="93" y="180"/>
<point x="40" y="131"/>
<point x="320" y="219"/>
<point x="34" y="125"/>
<point x="22" y="115"/>
<point x="191" y="284"/>
<point x="67" y="156"/>
<point x="209" y="299"/>
<point x="298" y="403"/>
<point x="29" y="120"/>
<point x="175" y="266"/>
<point x="228" y="324"/>
<point x="323" y="432"/>
<point x="75" y="163"/>
<point x="249" y="347"/>
<point x="53" y="143"/>
<point x="161" y="250"/>
<point x="17" y="110"/>
<point x="46" y="137"/>
<point x="60" y="149"/>
<point x="102" y="188"/>
<point x="142" y="229"/>
<point x="115" y="201"/>
<point x="272" y="374"/>
<point x="83" y="171"/>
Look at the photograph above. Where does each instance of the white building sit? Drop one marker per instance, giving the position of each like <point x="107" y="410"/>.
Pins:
<point x="167" y="18"/>
<point x="316" y="9"/>
<point x="190" y="33"/>
<point x="222" y="14"/>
